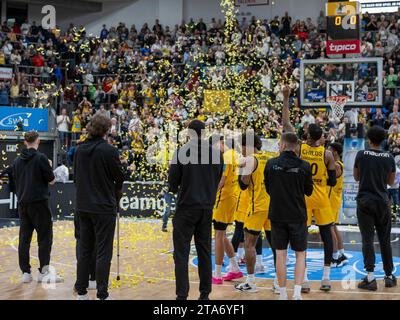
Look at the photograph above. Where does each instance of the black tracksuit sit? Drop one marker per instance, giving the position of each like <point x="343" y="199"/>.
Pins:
<point x="373" y="208"/>
<point x="98" y="178"/>
<point x="32" y="174"/>
<point x="196" y="184"/>
<point x="288" y="179"/>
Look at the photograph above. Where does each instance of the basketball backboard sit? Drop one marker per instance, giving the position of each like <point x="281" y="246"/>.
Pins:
<point x="360" y="79"/>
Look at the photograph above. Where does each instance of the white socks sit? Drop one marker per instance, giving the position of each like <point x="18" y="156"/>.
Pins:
<point x="341" y="252"/>
<point x="370" y="276"/>
<point x="240" y="253"/>
<point x="282" y="293"/>
<point x="327" y="273"/>
<point x="335" y="256"/>
<point x="250" y="279"/>
<point x="297" y="291"/>
<point x="218" y="271"/>
<point x="259" y="260"/>
<point x="233" y="265"/>
<point x="276" y="284"/>
<point x="305" y="275"/>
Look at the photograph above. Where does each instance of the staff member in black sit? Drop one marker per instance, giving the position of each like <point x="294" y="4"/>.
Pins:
<point x="288" y="179"/>
<point x="32" y="174"/>
<point x="375" y="170"/>
<point x="98" y="178"/>
<point x="194" y="173"/>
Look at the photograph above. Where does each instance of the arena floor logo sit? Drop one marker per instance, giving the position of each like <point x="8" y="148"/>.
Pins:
<point x="354" y="269"/>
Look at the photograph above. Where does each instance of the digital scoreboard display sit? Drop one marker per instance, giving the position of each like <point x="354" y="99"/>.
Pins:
<point x="343" y="27"/>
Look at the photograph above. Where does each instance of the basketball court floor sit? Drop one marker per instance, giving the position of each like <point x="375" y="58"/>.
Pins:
<point x="147" y="267"/>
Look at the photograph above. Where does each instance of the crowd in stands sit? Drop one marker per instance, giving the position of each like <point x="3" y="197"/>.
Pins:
<point x="147" y="77"/>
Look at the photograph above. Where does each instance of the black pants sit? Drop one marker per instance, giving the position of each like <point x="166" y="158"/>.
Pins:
<point x="92" y="265"/>
<point x="189" y="223"/>
<point x="373" y="214"/>
<point x="96" y="230"/>
<point x="35" y="216"/>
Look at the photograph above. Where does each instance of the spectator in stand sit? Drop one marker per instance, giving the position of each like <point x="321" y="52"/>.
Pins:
<point x="379" y="118"/>
<point x="76" y="125"/>
<point x="307" y="117"/>
<point x="63" y="123"/>
<point x="395" y="110"/>
<point x="4" y="94"/>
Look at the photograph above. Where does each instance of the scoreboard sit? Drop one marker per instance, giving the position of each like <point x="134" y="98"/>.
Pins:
<point x="343" y="27"/>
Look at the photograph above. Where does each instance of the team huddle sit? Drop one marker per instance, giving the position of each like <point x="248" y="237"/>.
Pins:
<point x="243" y="198"/>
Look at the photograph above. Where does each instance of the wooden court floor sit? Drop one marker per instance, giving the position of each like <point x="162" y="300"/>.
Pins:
<point x="147" y="270"/>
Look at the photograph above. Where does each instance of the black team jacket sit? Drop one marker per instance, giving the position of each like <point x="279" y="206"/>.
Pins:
<point x="32" y="173"/>
<point x="98" y="177"/>
<point x="288" y="179"/>
<point x="195" y="181"/>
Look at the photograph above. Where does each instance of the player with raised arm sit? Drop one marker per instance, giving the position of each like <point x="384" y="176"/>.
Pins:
<point x="324" y="176"/>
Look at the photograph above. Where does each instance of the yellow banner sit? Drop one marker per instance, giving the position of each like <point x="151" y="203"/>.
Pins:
<point x="342" y="8"/>
<point x="216" y="100"/>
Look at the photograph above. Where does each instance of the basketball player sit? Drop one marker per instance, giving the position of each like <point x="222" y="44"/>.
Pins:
<point x="335" y="196"/>
<point x="223" y="214"/>
<point x="324" y="176"/>
<point x="251" y="179"/>
<point x="242" y="206"/>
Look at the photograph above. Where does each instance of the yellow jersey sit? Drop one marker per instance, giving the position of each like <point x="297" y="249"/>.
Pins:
<point x="259" y="198"/>
<point x="242" y="206"/>
<point x="230" y="189"/>
<point x="315" y="156"/>
<point x="335" y="193"/>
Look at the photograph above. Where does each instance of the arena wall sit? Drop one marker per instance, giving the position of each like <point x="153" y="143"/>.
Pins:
<point x="171" y="12"/>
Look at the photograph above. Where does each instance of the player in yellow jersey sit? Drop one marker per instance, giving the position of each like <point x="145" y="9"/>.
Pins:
<point x="242" y="206"/>
<point x="251" y="179"/>
<point x="335" y="196"/>
<point x="242" y="211"/>
<point x="223" y="214"/>
<point x="324" y="176"/>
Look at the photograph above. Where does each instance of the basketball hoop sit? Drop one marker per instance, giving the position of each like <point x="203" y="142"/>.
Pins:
<point x="337" y="104"/>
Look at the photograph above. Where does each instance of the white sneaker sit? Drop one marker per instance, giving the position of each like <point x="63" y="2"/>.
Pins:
<point x="283" y="297"/>
<point x="49" y="277"/>
<point x="26" y="277"/>
<point x="92" y="285"/>
<point x="246" y="287"/>
<point x="259" y="269"/>
<point x="297" y="298"/>
<point x="108" y="298"/>
<point x="83" y="297"/>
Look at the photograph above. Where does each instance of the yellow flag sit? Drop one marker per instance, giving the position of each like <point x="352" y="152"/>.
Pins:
<point x="216" y="100"/>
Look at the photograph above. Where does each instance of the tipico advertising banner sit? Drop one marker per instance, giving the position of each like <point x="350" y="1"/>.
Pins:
<point x="348" y="213"/>
<point x="28" y="118"/>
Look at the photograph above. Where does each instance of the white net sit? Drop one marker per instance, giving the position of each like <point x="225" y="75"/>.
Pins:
<point x="337" y="104"/>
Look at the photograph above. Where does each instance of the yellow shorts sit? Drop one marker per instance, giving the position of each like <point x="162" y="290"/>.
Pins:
<point x="224" y="211"/>
<point x="240" y="216"/>
<point x="255" y="222"/>
<point x="335" y="212"/>
<point x="267" y="225"/>
<point x="322" y="216"/>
